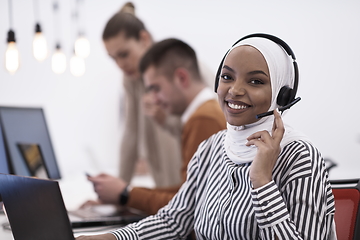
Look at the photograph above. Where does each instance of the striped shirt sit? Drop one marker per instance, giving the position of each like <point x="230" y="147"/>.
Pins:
<point x="218" y="201"/>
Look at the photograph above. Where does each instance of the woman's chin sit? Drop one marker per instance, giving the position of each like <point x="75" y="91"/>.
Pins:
<point x="239" y="123"/>
<point x="234" y="123"/>
<point x="133" y="75"/>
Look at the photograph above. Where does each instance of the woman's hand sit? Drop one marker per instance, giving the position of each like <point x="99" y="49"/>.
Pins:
<point x="268" y="152"/>
<point x="107" y="236"/>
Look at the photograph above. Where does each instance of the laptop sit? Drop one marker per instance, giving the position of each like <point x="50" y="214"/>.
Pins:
<point x="36" y="210"/>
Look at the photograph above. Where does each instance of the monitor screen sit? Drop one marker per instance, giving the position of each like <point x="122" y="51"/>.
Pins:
<point x="4" y="167"/>
<point x="33" y="159"/>
<point x="26" y="133"/>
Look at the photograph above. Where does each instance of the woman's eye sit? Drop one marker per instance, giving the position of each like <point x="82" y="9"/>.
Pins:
<point x="226" y="77"/>
<point x="123" y="54"/>
<point x="256" y="81"/>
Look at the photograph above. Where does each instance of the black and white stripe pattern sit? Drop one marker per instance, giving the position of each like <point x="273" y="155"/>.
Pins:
<point x="218" y="201"/>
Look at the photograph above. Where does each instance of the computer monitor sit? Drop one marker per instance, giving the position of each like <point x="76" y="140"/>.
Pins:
<point x="28" y="142"/>
<point x="4" y="165"/>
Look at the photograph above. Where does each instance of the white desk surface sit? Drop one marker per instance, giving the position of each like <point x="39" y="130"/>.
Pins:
<point x="75" y="191"/>
<point x="4" y="234"/>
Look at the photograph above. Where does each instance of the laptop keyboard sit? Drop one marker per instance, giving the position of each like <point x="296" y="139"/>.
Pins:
<point x="95" y="212"/>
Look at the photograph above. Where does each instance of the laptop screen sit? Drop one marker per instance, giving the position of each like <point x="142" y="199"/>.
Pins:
<point x="4" y="167"/>
<point x="28" y="141"/>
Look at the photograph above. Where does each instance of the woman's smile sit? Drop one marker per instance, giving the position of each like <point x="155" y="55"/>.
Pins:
<point x="237" y="106"/>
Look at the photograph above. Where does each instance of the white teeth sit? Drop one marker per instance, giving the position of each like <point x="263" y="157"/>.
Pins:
<point x="234" y="106"/>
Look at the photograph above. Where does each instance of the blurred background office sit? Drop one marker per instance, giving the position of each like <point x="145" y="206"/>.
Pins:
<point x="83" y="105"/>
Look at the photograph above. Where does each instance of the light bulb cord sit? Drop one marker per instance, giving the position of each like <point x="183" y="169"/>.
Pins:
<point x="56" y="24"/>
<point x="11" y="33"/>
<point x="75" y="18"/>
<point x="36" y="10"/>
<point x="79" y="18"/>
<point x="10" y="14"/>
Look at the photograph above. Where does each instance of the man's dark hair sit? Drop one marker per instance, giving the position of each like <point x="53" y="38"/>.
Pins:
<point x="168" y="55"/>
<point x="124" y="21"/>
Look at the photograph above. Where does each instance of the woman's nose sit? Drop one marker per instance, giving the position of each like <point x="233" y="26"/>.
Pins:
<point x="237" y="89"/>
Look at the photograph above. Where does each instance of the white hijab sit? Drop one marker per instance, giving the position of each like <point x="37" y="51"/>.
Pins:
<point x="281" y="74"/>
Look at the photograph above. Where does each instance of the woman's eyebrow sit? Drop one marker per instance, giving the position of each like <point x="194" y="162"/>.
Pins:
<point x="257" y="72"/>
<point x="229" y="68"/>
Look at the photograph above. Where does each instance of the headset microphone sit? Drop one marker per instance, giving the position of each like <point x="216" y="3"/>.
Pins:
<point x="281" y="109"/>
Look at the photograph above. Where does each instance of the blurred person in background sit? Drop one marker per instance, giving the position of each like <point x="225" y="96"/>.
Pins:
<point x="126" y="39"/>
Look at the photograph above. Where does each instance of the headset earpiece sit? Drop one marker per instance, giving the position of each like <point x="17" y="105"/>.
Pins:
<point x="284" y="96"/>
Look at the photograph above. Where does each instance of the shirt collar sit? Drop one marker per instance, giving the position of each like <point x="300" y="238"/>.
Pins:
<point x="203" y="96"/>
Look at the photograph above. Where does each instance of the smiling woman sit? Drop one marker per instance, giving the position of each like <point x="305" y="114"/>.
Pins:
<point x="244" y="92"/>
<point x="259" y="179"/>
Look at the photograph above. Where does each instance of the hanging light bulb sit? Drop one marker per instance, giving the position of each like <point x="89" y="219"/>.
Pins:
<point x="40" y="49"/>
<point x="77" y="66"/>
<point x="12" y="58"/>
<point x="58" y="61"/>
<point x="82" y="47"/>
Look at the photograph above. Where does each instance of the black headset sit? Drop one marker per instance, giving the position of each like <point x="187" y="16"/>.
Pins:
<point x="286" y="96"/>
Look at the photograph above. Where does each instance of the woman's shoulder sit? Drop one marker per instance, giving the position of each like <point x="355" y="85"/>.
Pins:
<point x="299" y="159"/>
<point x="301" y="148"/>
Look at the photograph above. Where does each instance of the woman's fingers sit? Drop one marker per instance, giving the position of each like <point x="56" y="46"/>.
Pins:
<point x="268" y="145"/>
<point x="263" y="136"/>
<point x="277" y="132"/>
<point x="278" y="127"/>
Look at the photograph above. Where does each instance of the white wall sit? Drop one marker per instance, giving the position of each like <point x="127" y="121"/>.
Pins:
<point x="83" y="112"/>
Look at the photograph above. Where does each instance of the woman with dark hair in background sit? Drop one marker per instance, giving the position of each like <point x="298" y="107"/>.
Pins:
<point x="126" y="40"/>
